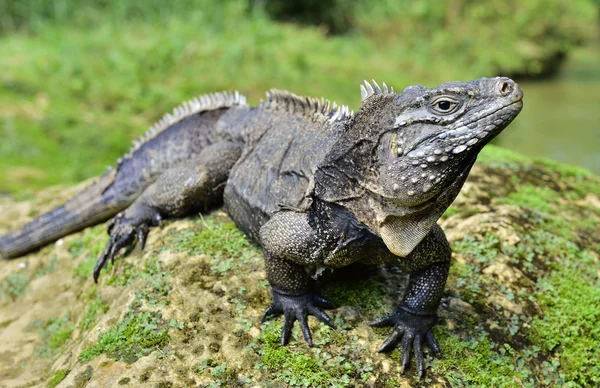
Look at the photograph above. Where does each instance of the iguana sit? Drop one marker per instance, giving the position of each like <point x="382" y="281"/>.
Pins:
<point x="316" y="185"/>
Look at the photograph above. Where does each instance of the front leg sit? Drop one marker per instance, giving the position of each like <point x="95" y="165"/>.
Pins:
<point x="290" y="244"/>
<point x="416" y="315"/>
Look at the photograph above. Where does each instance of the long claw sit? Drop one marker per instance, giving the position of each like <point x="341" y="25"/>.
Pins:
<point x="382" y="322"/>
<point x="406" y="348"/>
<point x="111" y="255"/>
<point x="321" y="316"/>
<point x="286" y="332"/>
<point x="390" y="342"/>
<point x="142" y="233"/>
<point x="419" y="356"/>
<point x="433" y="345"/>
<point x="123" y="232"/>
<point x="303" y="321"/>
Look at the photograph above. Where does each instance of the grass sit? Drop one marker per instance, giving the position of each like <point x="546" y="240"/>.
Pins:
<point x="80" y="83"/>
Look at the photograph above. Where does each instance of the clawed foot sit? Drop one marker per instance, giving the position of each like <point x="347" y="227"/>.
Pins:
<point x="123" y="231"/>
<point x="298" y="307"/>
<point x="413" y="330"/>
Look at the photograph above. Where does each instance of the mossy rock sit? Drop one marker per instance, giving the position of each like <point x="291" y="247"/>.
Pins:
<point x="520" y="307"/>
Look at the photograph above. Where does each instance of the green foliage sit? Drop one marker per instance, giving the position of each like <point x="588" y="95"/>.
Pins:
<point x="367" y="294"/>
<point x="221" y="240"/>
<point x="529" y="37"/>
<point x="62" y="122"/>
<point x="303" y="368"/>
<point x="476" y="361"/>
<point x="541" y="199"/>
<point x="570" y="326"/>
<point x="54" y="335"/>
<point x="86" y="249"/>
<point x="95" y="308"/>
<point x="137" y="335"/>
<point x="556" y="343"/>
<point x="58" y="377"/>
<point x="14" y="286"/>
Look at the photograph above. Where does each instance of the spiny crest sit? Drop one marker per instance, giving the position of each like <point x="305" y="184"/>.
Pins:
<point x="367" y="90"/>
<point x="306" y="106"/>
<point x="202" y="103"/>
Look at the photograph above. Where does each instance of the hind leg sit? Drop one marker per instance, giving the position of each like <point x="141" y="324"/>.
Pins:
<point x="179" y="191"/>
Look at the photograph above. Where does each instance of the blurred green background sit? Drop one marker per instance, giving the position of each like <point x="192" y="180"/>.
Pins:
<point x="80" y="80"/>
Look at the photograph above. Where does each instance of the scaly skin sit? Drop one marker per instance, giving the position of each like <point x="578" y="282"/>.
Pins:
<point x="315" y="185"/>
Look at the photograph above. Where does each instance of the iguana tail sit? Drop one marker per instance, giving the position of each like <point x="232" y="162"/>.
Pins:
<point x="91" y="206"/>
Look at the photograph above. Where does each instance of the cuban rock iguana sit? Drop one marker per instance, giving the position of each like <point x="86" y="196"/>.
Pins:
<point x="316" y="185"/>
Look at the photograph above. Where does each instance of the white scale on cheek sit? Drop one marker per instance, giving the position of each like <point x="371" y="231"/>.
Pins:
<point x="459" y="149"/>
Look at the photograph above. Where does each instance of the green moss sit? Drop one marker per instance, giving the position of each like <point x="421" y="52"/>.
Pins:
<point x="86" y="249"/>
<point x="559" y="346"/>
<point x="570" y="326"/>
<point x="14" y="286"/>
<point x="528" y="196"/>
<point x="226" y="245"/>
<point x="297" y="367"/>
<point x="95" y="307"/>
<point x="80" y="381"/>
<point x="476" y="361"/>
<point x="54" y="335"/>
<point x="502" y="158"/>
<point x="58" y="377"/>
<point x="137" y="335"/>
<point x="47" y="268"/>
<point x="156" y="288"/>
<point x="367" y="294"/>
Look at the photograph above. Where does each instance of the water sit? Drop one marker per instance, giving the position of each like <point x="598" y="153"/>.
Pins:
<point x="561" y="116"/>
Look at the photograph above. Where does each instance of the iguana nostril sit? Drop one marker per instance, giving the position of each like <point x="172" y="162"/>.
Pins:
<point x="505" y="88"/>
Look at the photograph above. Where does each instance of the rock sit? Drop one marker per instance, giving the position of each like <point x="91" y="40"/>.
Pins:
<point x="177" y="315"/>
<point x="459" y="305"/>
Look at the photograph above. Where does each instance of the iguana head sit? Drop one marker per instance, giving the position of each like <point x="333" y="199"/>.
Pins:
<point x="428" y="139"/>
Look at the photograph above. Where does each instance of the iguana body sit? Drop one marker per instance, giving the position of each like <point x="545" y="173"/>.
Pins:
<point x="314" y="184"/>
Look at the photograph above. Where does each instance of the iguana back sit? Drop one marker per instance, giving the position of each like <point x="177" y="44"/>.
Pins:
<point x="285" y="139"/>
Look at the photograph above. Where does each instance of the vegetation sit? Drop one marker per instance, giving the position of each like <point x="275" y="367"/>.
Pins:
<point x="58" y="377"/>
<point x="81" y="80"/>
<point x="136" y="335"/>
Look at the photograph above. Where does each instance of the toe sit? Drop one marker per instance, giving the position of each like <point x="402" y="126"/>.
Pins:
<point x="433" y="345"/>
<point x="391" y="341"/>
<point x="406" y="350"/>
<point x="303" y="320"/>
<point x="320" y="315"/>
<point x="286" y="332"/>
<point x="382" y="322"/>
<point x="269" y="312"/>
<point x="323" y="302"/>
<point x="419" y="355"/>
<point x="142" y="233"/>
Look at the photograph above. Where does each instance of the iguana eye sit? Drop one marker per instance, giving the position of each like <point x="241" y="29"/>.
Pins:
<point x="445" y="105"/>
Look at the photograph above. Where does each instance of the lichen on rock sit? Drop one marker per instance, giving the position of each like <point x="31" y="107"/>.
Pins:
<point x="521" y="304"/>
